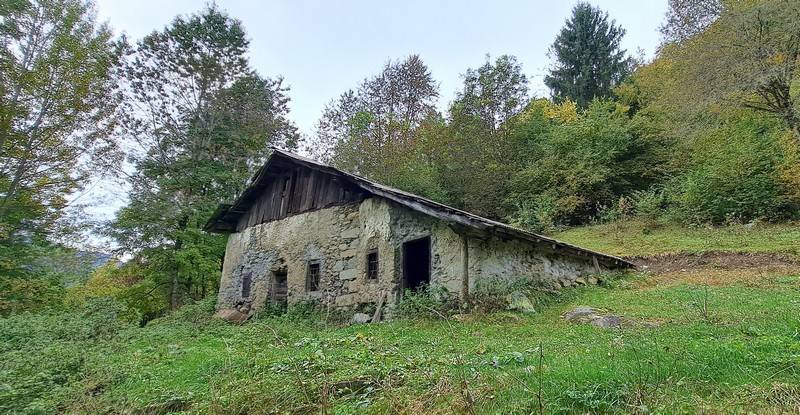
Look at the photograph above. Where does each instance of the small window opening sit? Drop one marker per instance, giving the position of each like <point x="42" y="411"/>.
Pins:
<point x="372" y="265"/>
<point x="312" y="277"/>
<point x="247" y="282"/>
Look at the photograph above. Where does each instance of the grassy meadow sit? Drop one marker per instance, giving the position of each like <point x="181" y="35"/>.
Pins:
<point x="718" y="337"/>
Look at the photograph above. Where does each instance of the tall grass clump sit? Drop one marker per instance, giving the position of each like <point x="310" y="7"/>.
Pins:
<point x="431" y="302"/>
<point x="43" y="357"/>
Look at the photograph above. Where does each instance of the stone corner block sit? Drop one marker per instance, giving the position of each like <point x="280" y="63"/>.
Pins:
<point x="351" y="233"/>
<point x="348" y="274"/>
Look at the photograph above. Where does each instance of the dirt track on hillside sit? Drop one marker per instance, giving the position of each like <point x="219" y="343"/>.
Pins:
<point x="716" y="260"/>
<point x="717" y="268"/>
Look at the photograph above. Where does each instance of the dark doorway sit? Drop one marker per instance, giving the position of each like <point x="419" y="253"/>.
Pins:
<point x="416" y="263"/>
<point x="280" y="289"/>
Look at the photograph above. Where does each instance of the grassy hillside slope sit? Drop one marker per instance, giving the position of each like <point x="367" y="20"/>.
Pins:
<point x="715" y="338"/>
<point x="636" y="238"/>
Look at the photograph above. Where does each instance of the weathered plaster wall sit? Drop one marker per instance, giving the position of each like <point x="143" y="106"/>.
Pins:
<point x="496" y="258"/>
<point x="407" y="225"/>
<point x="340" y="238"/>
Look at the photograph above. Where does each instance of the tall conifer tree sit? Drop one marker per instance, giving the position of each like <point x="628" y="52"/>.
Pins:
<point x="589" y="60"/>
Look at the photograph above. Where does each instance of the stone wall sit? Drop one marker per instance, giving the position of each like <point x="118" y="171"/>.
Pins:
<point x="340" y="238"/>
<point x="332" y="236"/>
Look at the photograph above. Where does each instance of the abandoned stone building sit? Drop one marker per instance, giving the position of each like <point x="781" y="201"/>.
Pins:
<point x="303" y="230"/>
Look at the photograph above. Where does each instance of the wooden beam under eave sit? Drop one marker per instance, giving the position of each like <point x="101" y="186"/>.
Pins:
<point x="465" y="269"/>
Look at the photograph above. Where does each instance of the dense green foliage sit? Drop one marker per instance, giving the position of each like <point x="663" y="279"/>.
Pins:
<point x="669" y="142"/>
<point x="583" y="163"/>
<point x="750" y="56"/>
<point x="734" y="175"/>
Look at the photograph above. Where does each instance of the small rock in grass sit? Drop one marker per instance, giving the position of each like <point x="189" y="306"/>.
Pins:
<point x="582" y="314"/>
<point x="360" y="318"/>
<point x="608" y="322"/>
<point x="518" y="301"/>
<point x="232" y="316"/>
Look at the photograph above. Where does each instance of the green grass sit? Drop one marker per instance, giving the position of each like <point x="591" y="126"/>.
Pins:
<point x="636" y="238"/>
<point x="732" y="358"/>
<point x="729" y="347"/>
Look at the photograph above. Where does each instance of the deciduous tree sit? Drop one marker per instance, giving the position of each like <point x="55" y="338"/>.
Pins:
<point x="368" y="131"/>
<point x="57" y="86"/>
<point x="476" y="155"/>
<point x="750" y="56"/>
<point x="687" y="18"/>
<point x="202" y="120"/>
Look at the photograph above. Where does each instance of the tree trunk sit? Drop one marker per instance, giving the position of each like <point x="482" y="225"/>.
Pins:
<point x="174" y="291"/>
<point x="792" y="120"/>
<point x="796" y="131"/>
<point x="174" y="295"/>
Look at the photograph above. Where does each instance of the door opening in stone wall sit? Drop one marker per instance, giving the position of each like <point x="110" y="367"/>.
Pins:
<point x="279" y="291"/>
<point x="416" y="263"/>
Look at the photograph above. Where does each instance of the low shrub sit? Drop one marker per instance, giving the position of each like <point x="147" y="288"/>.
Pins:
<point x="305" y="310"/>
<point x="29" y="293"/>
<point x="432" y="302"/>
<point x="272" y="310"/>
<point x="649" y="204"/>
<point x="196" y="312"/>
<point x="619" y="210"/>
<point x="44" y="356"/>
<point x="498" y="294"/>
<point x="594" y="398"/>
<point x="490" y="296"/>
<point x="537" y="215"/>
<point x="735" y="177"/>
<point x="620" y="279"/>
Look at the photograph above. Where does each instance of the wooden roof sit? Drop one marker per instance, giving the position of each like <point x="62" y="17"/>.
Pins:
<point x="225" y="218"/>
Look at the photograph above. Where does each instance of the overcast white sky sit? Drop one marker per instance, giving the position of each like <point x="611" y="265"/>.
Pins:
<point x="323" y="48"/>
